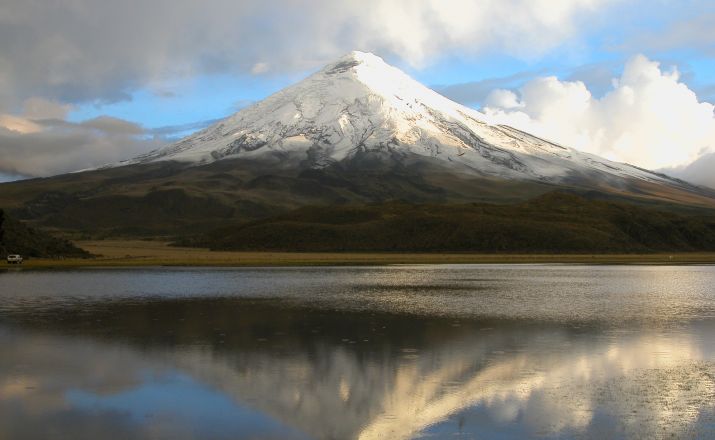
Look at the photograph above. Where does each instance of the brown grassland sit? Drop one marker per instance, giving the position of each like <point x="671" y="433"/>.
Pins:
<point x="141" y="253"/>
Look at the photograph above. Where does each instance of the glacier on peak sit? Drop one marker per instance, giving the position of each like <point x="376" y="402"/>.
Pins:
<point x="360" y="104"/>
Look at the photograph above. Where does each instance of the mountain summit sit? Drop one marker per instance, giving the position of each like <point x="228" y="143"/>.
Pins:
<point x="361" y="105"/>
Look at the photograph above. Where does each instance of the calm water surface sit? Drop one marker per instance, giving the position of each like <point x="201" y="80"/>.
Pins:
<point x="398" y="352"/>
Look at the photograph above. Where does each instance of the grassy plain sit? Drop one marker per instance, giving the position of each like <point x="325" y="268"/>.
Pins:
<point x="139" y="253"/>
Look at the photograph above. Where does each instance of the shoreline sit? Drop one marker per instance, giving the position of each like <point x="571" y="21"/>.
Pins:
<point x="137" y="253"/>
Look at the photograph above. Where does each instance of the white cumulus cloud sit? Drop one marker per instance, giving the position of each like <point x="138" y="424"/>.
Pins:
<point x="649" y="117"/>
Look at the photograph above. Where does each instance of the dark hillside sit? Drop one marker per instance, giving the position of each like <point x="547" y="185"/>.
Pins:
<point x="16" y="238"/>
<point x="555" y="222"/>
<point x="173" y="199"/>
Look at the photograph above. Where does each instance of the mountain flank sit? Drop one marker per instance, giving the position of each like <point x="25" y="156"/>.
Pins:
<point x="166" y="199"/>
<point x="555" y="222"/>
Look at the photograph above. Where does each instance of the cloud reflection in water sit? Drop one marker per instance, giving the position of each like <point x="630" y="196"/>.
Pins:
<point x="260" y="368"/>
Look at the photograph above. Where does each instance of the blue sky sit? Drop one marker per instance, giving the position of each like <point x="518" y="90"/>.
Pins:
<point x="123" y="78"/>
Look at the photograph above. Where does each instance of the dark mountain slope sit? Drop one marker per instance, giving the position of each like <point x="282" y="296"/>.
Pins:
<point x="16" y="238"/>
<point x="168" y="198"/>
<point x="556" y="222"/>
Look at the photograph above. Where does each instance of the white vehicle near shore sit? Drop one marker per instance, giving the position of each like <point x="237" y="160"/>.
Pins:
<point x="14" y="259"/>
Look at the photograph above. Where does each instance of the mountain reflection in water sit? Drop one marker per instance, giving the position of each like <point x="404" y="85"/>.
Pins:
<point x="230" y="367"/>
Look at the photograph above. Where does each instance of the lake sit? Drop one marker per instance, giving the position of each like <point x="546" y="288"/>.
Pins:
<point x="398" y="352"/>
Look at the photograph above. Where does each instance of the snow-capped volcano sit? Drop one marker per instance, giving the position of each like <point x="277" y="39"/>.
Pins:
<point x="360" y="104"/>
<point x="356" y="132"/>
